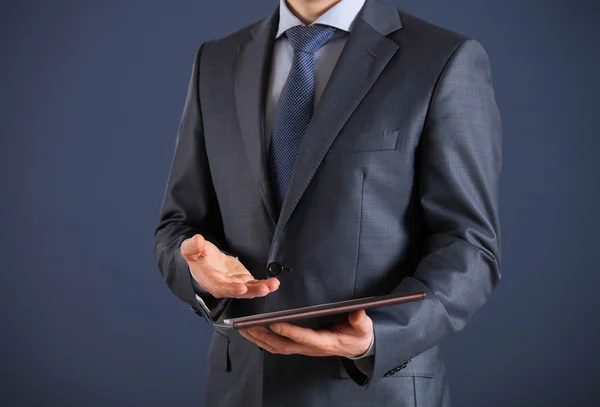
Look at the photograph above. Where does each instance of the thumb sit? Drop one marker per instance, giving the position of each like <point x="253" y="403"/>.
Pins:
<point x="357" y="319"/>
<point x="194" y="247"/>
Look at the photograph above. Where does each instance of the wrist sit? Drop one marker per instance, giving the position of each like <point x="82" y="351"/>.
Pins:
<point x="370" y="350"/>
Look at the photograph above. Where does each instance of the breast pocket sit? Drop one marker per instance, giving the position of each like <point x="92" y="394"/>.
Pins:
<point x="355" y="142"/>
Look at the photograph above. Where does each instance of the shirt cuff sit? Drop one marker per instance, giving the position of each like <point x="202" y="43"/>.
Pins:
<point x="203" y="305"/>
<point x="369" y="352"/>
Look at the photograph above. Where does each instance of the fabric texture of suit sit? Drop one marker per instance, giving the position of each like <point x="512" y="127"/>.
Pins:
<point x="395" y="189"/>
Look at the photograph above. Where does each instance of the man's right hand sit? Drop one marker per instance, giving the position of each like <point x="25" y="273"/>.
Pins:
<point x="221" y="275"/>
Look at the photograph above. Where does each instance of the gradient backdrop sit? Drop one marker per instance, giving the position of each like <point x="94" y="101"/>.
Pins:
<point x="90" y="98"/>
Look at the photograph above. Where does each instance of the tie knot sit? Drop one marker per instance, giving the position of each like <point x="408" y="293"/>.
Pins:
<point x="309" y="38"/>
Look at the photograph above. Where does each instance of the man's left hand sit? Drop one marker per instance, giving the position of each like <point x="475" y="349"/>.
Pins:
<point x="350" y="338"/>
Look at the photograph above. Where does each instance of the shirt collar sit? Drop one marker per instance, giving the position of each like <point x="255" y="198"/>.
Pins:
<point x="340" y="16"/>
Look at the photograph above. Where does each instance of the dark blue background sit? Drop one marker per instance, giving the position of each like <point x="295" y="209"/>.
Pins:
<point x="91" y="94"/>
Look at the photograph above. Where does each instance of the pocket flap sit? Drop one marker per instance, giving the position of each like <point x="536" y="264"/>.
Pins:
<point x="218" y="352"/>
<point x="365" y="141"/>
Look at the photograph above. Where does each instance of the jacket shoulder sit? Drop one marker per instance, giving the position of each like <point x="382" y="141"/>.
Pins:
<point x="417" y="26"/>
<point x="232" y="40"/>
<point x="429" y="46"/>
<point x="425" y="35"/>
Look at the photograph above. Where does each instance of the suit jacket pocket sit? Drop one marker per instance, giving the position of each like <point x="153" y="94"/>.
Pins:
<point x="377" y="140"/>
<point x="218" y="352"/>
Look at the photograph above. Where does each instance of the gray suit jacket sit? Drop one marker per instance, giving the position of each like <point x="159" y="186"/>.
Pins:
<point x="395" y="189"/>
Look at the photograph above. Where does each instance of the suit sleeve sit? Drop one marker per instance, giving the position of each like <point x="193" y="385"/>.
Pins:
<point x="457" y="175"/>
<point x="189" y="204"/>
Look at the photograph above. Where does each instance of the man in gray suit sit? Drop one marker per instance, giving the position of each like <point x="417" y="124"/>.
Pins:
<point x="334" y="150"/>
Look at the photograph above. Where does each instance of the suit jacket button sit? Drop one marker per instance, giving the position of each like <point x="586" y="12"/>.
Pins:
<point x="274" y="268"/>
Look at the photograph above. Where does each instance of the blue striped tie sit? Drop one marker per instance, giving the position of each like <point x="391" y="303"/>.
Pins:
<point x="295" y="107"/>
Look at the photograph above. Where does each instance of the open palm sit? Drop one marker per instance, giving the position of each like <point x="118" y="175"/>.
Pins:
<point x="220" y="274"/>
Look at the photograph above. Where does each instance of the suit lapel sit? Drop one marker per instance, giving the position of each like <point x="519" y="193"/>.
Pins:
<point x="253" y="66"/>
<point x="366" y="53"/>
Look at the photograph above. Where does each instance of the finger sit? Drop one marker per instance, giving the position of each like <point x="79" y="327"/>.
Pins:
<point x="220" y="286"/>
<point x="319" y="339"/>
<point x="272" y="284"/>
<point x="258" y="342"/>
<point x="256" y="290"/>
<point x="280" y="345"/>
<point x="227" y="290"/>
<point x="355" y="318"/>
<point x="193" y="247"/>
<point x="360" y="321"/>
<point x="239" y="290"/>
<point x="271" y="280"/>
<point x="246" y="277"/>
<point x="260" y="288"/>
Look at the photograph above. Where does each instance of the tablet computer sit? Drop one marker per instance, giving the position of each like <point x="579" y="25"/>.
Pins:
<point x="320" y="310"/>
